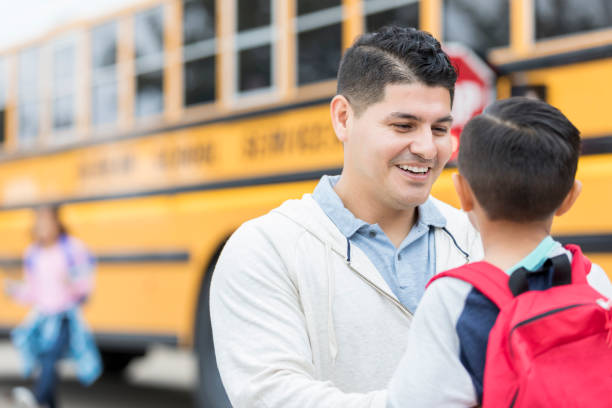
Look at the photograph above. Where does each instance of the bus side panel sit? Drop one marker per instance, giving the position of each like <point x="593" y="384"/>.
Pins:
<point x="152" y="254"/>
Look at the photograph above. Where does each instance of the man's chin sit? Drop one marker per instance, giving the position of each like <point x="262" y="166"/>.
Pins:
<point x="414" y="198"/>
<point x="407" y="203"/>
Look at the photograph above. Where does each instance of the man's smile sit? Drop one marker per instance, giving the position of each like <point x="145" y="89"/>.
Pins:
<point x="418" y="170"/>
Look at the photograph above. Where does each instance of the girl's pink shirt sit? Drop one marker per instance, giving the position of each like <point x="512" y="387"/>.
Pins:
<point x="48" y="286"/>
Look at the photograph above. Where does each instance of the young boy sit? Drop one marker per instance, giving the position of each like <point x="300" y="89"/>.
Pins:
<point x="517" y="164"/>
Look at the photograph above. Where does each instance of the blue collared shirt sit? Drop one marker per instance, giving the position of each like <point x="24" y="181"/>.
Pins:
<point x="406" y="269"/>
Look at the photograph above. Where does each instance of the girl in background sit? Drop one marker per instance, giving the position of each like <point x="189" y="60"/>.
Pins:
<point x="58" y="278"/>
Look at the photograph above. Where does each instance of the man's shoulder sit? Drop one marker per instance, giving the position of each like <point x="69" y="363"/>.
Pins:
<point x="263" y="247"/>
<point x="285" y="216"/>
<point x="283" y="223"/>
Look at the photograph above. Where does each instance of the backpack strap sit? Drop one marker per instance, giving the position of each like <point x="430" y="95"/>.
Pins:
<point x="488" y="279"/>
<point x="65" y="245"/>
<point x="29" y="258"/>
<point x="558" y="265"/>
<point x="581" y="265"/>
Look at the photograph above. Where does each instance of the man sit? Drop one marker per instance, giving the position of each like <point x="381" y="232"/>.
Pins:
<point x="311" y="304"/>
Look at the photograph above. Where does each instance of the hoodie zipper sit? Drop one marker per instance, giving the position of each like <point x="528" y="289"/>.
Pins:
<point x="403" y="308"/>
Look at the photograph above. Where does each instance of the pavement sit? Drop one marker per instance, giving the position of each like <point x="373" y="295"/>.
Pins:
<point x="165" y="377"/>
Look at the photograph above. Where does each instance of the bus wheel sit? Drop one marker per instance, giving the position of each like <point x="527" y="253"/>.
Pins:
<point x="210" y="392"/>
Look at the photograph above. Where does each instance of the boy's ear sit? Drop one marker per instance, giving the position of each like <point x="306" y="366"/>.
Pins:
<point x="570" y="198"/>
<point x="341" y="113"/>
<point x="466" y="197"/>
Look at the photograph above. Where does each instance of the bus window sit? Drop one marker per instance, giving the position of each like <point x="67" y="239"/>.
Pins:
<point x="385" y="12"/>
<point x="479" y="24"/>
<point x="254" y="44"/>
<point x="149" y="50"/>
<point x="28" y="97"/>
<point x="63" y="86"/>
<point x="319" y="39"/>
<point x="104" y="74"/>
<point x="199" y="48"/>
<point x="3" y="92"/>
<point x="560" y="17"/>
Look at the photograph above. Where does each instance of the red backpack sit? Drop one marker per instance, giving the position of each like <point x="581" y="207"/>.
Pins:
<point x="548" y="348"/>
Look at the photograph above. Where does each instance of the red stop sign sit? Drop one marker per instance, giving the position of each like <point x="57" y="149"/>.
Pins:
<point x="474" y="90"/>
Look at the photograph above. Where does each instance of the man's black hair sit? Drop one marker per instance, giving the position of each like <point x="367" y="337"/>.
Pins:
<point x="520" y="158"/>
<point x="392" y="55"/>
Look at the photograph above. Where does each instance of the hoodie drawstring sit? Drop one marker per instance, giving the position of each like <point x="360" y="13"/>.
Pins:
<point x="348" y="251"/>
<point x="465" y="254"/>
<point x="331" y="278"/>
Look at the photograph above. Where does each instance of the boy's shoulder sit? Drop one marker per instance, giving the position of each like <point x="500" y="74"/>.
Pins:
<point x="458" y="302"/>
<point x="445" y="295"/>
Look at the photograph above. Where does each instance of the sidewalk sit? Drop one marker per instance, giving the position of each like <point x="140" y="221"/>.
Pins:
<point x="162" y="366"/>
<point x="164" y="378"/>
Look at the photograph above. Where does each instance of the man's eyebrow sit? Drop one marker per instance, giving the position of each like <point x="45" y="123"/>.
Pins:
<point x="403" y="115"/>
<point x="447" y="118"/>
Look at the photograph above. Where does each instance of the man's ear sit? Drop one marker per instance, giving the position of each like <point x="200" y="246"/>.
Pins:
<point x="466" y="197"/>
<point x="570" y="198"/>
<point x="341" y="114"/>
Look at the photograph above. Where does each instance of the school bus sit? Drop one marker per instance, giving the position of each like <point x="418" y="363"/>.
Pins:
<point x="162" y="127"/>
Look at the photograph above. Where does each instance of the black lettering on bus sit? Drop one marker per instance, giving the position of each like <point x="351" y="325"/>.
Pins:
<point x="106" y="166"/>
<point x="305" y="138"/>
<point x="187" y="156"/>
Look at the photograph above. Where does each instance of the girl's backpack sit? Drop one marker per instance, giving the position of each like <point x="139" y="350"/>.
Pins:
<point x="548" y="348"/>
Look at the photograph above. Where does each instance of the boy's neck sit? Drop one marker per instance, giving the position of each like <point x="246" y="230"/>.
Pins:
<point x="506" y="243"/>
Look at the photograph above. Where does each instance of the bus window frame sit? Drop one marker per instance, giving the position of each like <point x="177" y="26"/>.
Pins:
<point x="313" y="23"/>
<point x="559" y="37"/>
<point x="20" y="143"/>
<point x="523" y="44"/>
<point x="571" y="42"/>
<point x="228" y="99"/>
<point x="214" y="43"/>
<point x="102" y="129"/>
<point x="244" y="40"/>
<point x="544" y="48"/>
<point x="65" y="135"/>
<point x="160" y="61"/>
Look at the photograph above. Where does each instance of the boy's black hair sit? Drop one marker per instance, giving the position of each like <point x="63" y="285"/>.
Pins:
<point x="520" y="158"/>
<point x="392" y="55"/>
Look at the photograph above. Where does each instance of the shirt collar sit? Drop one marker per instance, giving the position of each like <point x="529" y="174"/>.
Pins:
<point x="325" y="195"/>
<point x="332" y="205"/>
<point x="429" y="215"/>
<point x="536" y="258"/>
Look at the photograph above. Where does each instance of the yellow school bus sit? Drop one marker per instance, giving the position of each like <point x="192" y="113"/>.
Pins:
<point x="161" y="128"/>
